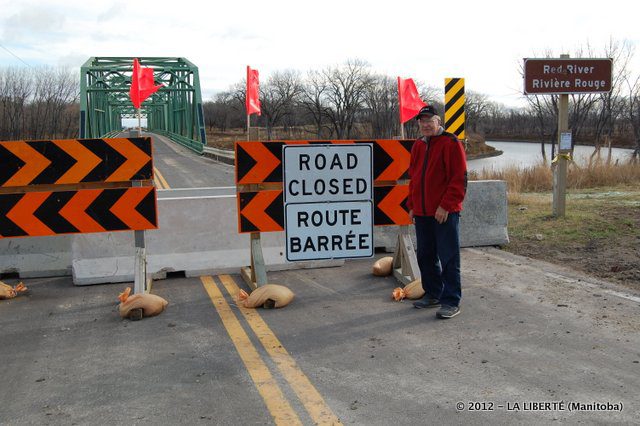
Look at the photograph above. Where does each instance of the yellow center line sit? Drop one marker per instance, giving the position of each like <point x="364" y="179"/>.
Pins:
<point x="156" y="181"/>
<point x="309" y="396"/>
<point x="279" y="407"/>
<point x="161" y="178"/>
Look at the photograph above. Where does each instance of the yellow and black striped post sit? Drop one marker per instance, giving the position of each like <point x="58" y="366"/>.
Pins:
<point x="454" y="106"/>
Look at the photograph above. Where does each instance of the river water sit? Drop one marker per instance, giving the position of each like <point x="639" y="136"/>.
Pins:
<point x="524" y="154"/>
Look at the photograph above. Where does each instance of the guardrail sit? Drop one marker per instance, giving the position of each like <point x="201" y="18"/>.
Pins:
<point x="182" y="140"/>
<point x="223" y="155"/>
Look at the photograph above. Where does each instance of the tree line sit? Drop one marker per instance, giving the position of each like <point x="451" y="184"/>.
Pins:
<point x="38" y="103"/>
<point x="347" y="101"/>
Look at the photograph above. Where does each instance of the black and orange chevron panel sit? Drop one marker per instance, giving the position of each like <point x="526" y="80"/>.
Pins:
<point x="260" y="211"/>
<point x="72" y="161"/>
<point x="261" y="162"/>
<point x="390" y="205"/>
<point x="44" y="213"/>
<point x="263" y="211"/>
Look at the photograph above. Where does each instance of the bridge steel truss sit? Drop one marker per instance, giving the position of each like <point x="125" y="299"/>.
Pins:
<point x="174" y="111"/>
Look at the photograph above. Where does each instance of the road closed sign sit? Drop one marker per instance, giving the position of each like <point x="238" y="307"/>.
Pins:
<point x="328" y="196"/>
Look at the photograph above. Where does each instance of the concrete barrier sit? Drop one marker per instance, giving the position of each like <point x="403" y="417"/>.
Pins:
<point x="37" y="256"/>
<point x="198" y="235"/>
<point x="483" y="221"/>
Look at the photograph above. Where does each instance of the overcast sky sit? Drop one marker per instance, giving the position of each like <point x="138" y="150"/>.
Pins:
<point x="484" y="42"/>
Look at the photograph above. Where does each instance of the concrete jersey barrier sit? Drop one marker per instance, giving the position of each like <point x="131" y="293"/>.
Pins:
<point x="198" y="235"/>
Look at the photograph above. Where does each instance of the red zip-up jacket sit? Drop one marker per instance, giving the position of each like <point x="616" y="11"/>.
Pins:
<point x="438" y="173"/>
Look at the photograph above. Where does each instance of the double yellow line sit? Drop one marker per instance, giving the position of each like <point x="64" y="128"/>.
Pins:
<point x="159" y="180"/>
<point x="271" y="393"/>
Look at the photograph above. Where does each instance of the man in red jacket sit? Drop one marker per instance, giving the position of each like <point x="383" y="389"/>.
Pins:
<point x="438" y="173"/>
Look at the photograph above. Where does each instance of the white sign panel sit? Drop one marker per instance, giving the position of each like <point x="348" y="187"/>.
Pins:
<point x="325" y="173"/>
<point x="329" y="230"/>
<point x="565" y="141"/>
<point x="328" y="196"/>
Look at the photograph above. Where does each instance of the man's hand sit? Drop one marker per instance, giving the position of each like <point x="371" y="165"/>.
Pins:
<point x="441" y="215"/>
<point x="411" y="215"/>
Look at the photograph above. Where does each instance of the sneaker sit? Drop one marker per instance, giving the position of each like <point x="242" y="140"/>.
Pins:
<point x="446" y="312"/>
<point x="426" y="302"/>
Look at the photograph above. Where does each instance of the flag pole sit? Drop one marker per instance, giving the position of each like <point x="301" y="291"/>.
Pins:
<point x="405" y="263"/>
<point x="400" y="111"/>
<point x="140" y="262"/>
<point x="248" y="125"/>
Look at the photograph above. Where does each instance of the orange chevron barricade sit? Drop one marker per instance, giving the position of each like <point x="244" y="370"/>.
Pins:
<point x="390" y="205"/>
<point x="71" y="186"/>
<point x="72" y="161"/>
<point x="260" y="211"/>
<point x="261" y="162"/>
<point x="35" y="214"/>
<point x="263" y="211"/>
<point x="260" y="200"/>
<point x="68" y="186"/>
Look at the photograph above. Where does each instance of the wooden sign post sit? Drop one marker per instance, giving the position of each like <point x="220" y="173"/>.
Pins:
<point x="565" y="76"/>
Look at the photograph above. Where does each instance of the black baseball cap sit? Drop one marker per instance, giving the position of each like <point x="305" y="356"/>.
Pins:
<point x="426" y="111"/>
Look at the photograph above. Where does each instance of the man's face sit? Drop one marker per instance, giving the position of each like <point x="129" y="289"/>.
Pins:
<point x="428" y="125"/>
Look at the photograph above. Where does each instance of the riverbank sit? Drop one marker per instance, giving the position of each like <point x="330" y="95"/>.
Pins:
<point x="615" y="144"/>
<point x="480" y="156"/>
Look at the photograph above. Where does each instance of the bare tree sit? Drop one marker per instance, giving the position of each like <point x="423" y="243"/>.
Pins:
<point x="15" y="90"/>
<point x="476" y="109"/>
<point x="313" y="102"/>
<point x="220" y="113"/>
<point x="278" y="97"/>
<point x="633" y="113"/>
<point x="38" y="104"/>
<point x="345" y="93"/>
<point x="612" y="104"/>
<point x="381" y="101"/>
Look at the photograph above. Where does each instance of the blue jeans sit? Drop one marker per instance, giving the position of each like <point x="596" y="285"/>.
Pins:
<point x="438" y="254"/>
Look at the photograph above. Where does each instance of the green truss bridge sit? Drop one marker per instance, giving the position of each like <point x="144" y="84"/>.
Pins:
<point x="174" y="111"/>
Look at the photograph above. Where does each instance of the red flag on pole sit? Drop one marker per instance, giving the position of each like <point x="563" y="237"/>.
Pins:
<point x="142" y="84"/>
<point x="410" y="102"/>
<point x="253" y="92"/>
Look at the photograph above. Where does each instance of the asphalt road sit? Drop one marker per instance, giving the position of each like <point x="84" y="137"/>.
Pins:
<point x="535" y="343"/>
<point x="181" y="168"/>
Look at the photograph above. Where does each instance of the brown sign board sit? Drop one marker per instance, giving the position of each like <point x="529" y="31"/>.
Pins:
<point x="570" y="75"/>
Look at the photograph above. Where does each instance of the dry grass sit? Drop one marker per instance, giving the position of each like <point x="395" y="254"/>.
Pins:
<point x="539" y="178"/>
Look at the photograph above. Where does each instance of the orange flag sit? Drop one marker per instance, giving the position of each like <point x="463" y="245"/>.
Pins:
<point x="253" y="92"/>
<point x="142" y="84"/>
<point x="409" y="99"/>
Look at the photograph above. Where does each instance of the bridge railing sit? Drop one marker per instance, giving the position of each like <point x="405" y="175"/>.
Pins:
<point x="193" y="145"/>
